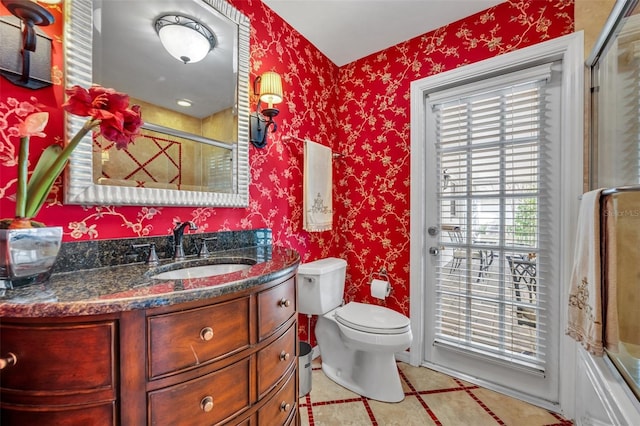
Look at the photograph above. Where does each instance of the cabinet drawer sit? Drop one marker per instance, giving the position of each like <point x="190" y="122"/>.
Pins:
<point x="278" y="409"/>
<point x="275" y="306"/>
<point x="59" y="359"/>
<point x="99" y="415"/>
<point x="203" y="401"/>
<point x="191" y="338"/>
<point x="275" y="359"/>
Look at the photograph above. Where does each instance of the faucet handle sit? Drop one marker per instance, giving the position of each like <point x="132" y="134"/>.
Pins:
<point x="204" y="250"/>
<point x="152" y="259"/>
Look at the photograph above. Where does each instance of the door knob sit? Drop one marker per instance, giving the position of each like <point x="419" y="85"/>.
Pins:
<point x="434" y="251"/>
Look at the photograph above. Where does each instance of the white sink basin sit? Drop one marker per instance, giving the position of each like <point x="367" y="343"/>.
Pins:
<point x="201" y="271"/>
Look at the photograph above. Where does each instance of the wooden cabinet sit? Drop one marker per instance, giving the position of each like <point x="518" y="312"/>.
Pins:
<point x="189" y="339"/>
<point x="275" y="306"/>
<point x="280" y="407"/>
<point x="225" y="360"/>
<point x="275" y="360"/>
<point x="65" y="372"/>
<point x="207" y="400"/>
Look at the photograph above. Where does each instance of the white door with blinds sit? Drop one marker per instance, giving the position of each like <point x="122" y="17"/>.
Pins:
<point x="492" y="286"/>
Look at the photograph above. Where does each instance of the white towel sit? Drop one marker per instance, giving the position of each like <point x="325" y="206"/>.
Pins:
<point x="585" y="296"/>
<point x="318" y="183"/>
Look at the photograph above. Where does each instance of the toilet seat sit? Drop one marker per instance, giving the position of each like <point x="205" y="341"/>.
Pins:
<point x="372" y="318"/>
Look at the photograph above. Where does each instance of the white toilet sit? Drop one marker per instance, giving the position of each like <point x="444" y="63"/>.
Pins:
<point x="357" y="341"/>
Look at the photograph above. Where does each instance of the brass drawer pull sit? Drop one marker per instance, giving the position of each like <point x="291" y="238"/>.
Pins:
<point x="284" y="356"/>
<point x="284" y="303"/>
<point x="284" y="406"/>
<point x="206" y="404"/>
<point x="10" y="359"/>
<point x="206" y="334"/>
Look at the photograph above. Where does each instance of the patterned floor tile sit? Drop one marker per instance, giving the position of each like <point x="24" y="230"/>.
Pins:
<point x="431" y="398"/>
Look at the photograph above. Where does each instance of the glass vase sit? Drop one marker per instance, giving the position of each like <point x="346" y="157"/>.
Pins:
<point x="27" y="255"/>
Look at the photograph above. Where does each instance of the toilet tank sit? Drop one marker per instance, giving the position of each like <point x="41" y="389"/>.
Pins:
<point x="321" y="285"/>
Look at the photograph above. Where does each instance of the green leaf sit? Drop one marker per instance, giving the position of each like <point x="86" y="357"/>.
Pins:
<point x="23" y="173"/>
<point x="38" y="187"/>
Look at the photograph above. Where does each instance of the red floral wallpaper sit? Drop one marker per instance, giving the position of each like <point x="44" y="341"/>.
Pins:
<point x="361" y="110"/>
<point x="373" y="186"/>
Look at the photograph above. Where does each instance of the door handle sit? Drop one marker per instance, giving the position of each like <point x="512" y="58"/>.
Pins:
<point x="434" y="251"/>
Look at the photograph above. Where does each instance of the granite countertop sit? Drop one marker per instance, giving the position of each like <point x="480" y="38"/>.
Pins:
<point x="129" y="287"/>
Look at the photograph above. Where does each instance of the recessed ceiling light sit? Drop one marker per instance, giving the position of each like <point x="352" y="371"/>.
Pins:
<point x="184" y="102"/>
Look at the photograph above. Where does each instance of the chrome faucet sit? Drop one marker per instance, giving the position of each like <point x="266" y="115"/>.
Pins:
<point x="178" y="234"/>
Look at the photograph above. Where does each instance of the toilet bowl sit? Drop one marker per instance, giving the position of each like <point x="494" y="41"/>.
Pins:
<point x="357" y="341"/>
<point x="373" y="328"/>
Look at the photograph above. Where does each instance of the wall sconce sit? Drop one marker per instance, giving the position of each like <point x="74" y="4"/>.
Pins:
<point x="33" y="70"/>
<point x="186" y="39"/>
<point x="271" y="93"/>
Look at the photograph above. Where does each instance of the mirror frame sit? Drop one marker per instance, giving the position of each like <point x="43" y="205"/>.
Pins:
<point x="79" y="187"/>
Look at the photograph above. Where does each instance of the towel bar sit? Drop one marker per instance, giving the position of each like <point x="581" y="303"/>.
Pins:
<point x="618" y="189"/>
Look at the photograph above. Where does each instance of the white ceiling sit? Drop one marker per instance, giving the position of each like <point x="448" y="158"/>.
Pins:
<point x="347" y="30"/>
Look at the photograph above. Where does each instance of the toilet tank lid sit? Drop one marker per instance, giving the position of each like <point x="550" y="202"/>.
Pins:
<point x="322" y="266"/>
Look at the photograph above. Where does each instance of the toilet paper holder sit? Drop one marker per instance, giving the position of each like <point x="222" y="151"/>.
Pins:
<point x="380" y="275"/>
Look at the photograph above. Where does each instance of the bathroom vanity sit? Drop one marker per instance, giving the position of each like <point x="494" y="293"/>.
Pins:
<point x="113" y="346"/>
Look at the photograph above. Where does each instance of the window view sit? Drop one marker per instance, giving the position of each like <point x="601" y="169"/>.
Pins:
<point x="490" y="291"/>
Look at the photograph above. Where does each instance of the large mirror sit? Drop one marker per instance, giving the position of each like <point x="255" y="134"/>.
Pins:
<point x="615" y="118"/>
<point x="191" y="153"/>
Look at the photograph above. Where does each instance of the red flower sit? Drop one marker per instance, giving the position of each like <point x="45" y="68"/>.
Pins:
<point x="118" y="122"/>
<point x="131" y="122"/>
<point x="104" y="107"/>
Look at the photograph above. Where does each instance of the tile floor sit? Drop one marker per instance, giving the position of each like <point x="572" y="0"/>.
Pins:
<point x="431" y="398"/>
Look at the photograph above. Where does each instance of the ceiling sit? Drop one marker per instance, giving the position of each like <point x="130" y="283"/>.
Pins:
<point x="347" y="30"/>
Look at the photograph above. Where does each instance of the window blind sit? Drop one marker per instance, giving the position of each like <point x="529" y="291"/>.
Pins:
<point x="490" y="278"/>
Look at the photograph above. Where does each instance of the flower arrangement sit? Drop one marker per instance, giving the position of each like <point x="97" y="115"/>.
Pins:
<point x="105" y="108"/>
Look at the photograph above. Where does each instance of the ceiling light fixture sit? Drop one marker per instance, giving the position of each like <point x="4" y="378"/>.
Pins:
<point x="185" y="39"/>
<point x="271" y="93"/>
<point x="184" y="102"/>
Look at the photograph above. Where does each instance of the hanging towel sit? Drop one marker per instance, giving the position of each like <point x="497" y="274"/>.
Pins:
<point x="585" y="296"/>
<point x="318" y="183"/>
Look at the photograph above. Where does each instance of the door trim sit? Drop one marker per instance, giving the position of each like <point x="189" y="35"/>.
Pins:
<point x="569" y="49"/>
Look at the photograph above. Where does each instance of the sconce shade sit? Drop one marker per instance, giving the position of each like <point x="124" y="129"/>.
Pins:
<point x="271" y="93"/>
<point x="185" y="39"/>
<point x="271" y="88"/>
